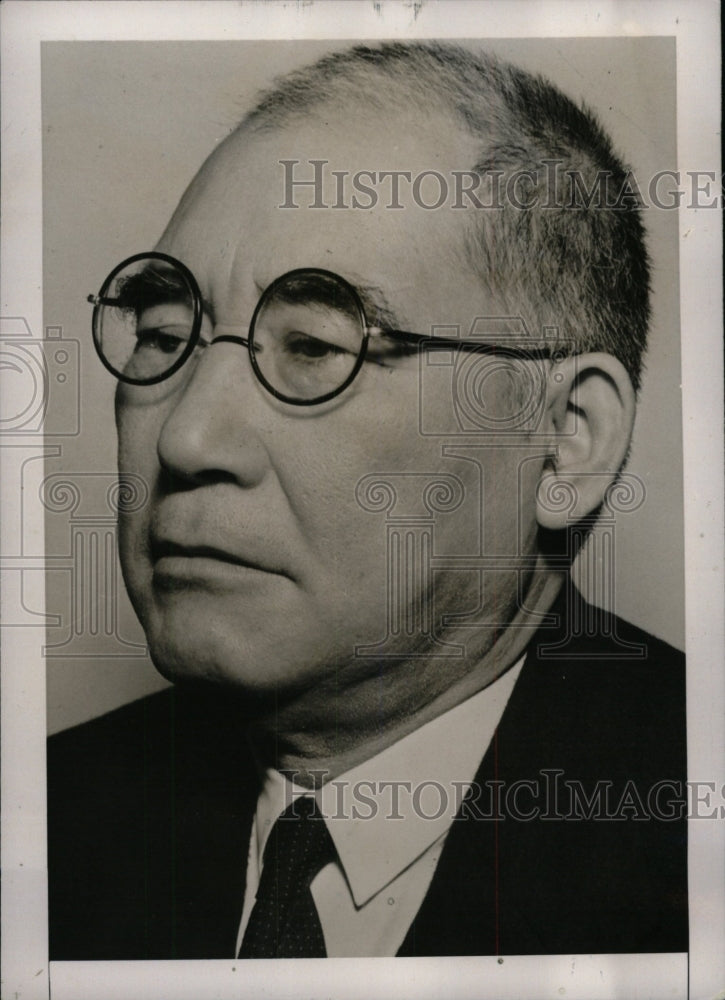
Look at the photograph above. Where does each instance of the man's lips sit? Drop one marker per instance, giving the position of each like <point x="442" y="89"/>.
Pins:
<point x="172" y="558"/>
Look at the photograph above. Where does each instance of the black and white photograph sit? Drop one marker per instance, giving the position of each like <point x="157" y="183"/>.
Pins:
<point x="362" y="542"/>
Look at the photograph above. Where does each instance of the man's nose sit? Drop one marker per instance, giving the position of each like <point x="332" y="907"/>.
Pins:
<point x="212" y="430"/>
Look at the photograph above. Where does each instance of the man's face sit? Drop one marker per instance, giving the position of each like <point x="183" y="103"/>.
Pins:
<point x="254" y="563"/>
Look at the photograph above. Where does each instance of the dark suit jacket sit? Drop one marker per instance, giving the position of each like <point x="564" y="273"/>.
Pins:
<point x="150" y="811"/>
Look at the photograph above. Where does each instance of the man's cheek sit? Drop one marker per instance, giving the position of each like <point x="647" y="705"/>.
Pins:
<point x="134" y="556"/>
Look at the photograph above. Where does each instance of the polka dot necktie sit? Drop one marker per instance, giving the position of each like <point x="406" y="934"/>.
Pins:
<point x="284" y="921"/>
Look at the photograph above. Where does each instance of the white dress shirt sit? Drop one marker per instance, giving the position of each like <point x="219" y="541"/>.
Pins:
<point x="388" y="836"/>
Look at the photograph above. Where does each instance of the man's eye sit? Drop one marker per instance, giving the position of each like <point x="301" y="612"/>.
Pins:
<point x="156" y="340"/>
<point x="304" y="347"/>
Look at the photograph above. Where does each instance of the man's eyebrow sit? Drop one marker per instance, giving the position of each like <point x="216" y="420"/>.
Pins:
<point x="154" y="285"/>
<point x="378" y="311"/>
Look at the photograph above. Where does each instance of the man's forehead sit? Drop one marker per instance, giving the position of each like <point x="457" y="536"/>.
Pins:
<point x="247" y="218"/>
<point x="347" y="143"/>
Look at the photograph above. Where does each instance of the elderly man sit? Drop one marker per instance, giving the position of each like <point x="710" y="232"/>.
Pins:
<point x="376" y="345"/>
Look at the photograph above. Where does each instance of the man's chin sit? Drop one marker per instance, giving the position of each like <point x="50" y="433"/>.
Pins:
<point x="258" y="675"/>
<point x="182" y="668"/>
<point x="251" y="701"/>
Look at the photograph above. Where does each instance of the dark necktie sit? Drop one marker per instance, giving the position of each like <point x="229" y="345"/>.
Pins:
<point x="284" y="921"/>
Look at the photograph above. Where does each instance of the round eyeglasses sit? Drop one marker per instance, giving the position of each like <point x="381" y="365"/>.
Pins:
<point x="307" y="340"/>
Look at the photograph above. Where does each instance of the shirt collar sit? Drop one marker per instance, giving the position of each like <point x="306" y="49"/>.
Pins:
<point x="384" y="813"/>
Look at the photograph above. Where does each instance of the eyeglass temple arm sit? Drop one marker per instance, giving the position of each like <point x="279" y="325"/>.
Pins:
<point x="445" y="344"/>
<point x="102" y="300"/>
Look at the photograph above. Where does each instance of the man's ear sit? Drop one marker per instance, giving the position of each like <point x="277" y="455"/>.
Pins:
<point x="590" y="413"/>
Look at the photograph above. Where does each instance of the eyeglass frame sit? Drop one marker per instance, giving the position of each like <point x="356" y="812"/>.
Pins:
<point x="425" y="341"/>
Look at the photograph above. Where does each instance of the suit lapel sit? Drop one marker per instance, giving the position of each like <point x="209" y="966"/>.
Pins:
<point x="478" y="902"/>
<point x="462" y="911"/>
<point x="587" y="712"/>
<point x="215" y="793"/>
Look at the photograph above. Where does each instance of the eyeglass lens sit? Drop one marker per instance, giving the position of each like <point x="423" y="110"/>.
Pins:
<point x="307" y="335"/>
<point x="146" y="319"/>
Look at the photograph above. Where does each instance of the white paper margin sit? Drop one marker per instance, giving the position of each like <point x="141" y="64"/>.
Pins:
<point x="694" y="23"/>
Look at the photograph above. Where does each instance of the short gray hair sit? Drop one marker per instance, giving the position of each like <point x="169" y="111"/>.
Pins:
<point x="579" y="265"/>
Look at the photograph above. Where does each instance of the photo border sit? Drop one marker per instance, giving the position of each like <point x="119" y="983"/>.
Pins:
<point x="24" y="912"/>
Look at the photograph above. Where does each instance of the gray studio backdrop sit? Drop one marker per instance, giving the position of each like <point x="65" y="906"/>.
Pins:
<point x="125" y="127"/>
